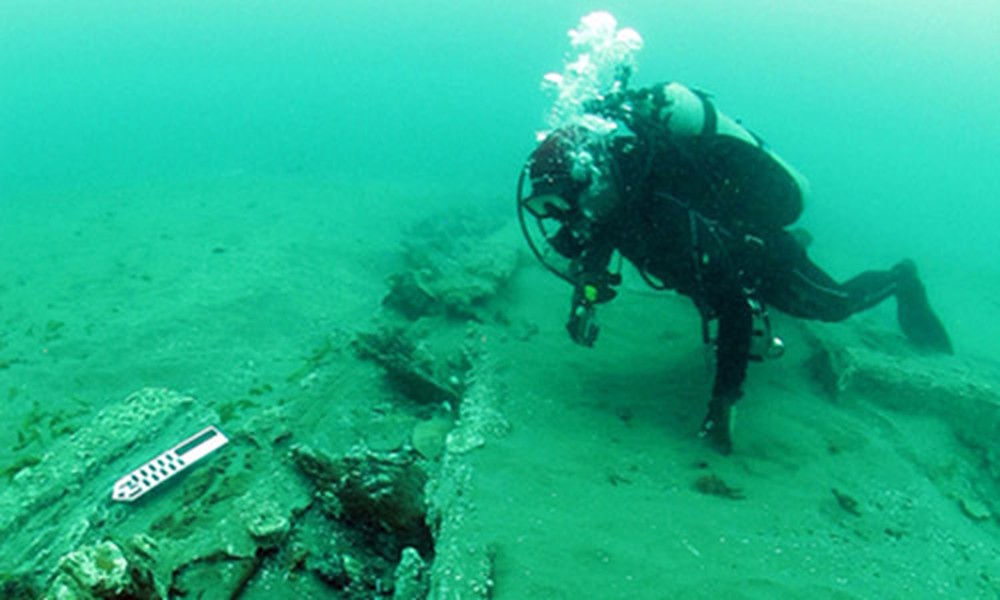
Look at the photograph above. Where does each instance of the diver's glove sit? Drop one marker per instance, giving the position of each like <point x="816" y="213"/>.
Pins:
<point x="582" y="325"/>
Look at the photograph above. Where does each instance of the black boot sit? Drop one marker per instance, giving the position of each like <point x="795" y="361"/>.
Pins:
<point x="717" y="428"/>
<point x="916" y="318"/>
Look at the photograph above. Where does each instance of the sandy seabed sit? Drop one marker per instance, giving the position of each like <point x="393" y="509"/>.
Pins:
<point x="597" y="486"/>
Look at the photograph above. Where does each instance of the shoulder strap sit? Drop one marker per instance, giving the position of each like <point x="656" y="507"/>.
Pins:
<point x="711" y="116"/>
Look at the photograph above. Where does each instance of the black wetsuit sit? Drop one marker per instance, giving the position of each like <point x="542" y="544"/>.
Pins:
<point x="704" y="214"/>
<point x="689" y="225"/>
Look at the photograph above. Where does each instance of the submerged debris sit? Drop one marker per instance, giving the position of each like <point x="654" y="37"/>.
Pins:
<point x="219" y="575"/>
<point x="464" y="563"/>
<point x="106" y="570"/>
<point x="961" y="394"/>
<point x="377" y="492"/>
<point x="377" y="502"/>
<point x="270" y="526"/>
<point x="411" y="368"/>
<point x="364" y="522"/>
<point x="17" y="587"/>
<point x="411" y="577"/>
<point x="430" y="436"/>
<point x="975" y="509"/>
<point x="456" y="263"/>
<point x="82" y="463"/>
<point x="846" y="502"/>
<point x="25" y="462"/>
<point x="409" y="296"/>
<point x="331" y="570"/>
<point x="713" y="485"/>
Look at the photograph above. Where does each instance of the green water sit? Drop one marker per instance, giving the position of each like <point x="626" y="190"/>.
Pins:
<point x="888" y="109"/>
<point x="191" y="190"/>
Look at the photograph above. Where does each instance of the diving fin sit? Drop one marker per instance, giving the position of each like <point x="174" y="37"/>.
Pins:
<point x="916" y="318"/>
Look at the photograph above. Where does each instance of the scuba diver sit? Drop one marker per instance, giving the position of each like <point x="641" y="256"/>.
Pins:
<point x="699" y="205"/>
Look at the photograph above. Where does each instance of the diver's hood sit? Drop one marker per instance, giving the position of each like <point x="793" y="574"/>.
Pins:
<point x="556" y="182"/>
<point x="547" y="195"/>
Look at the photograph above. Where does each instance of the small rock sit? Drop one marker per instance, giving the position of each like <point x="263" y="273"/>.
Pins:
<point x="713" y="485"/>
<point x="428" y="437"/>
<point x="410" y="579"/>
<point x="975" y="509"/>
<point x="269" y="527"/>
<point x="100" y="571"/>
